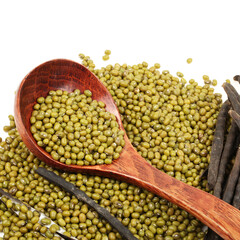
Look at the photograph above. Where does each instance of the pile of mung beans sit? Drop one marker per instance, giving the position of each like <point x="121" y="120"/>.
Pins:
<point x="75" y="129"/>
<point x="170" y="123"/>
<point x="26" y="219"/>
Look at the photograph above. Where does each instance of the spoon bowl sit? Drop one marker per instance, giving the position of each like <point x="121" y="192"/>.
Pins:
<point x="130" y="166"/>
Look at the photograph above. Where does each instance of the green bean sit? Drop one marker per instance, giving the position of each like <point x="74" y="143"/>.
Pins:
<point x="107" y="52"/>
<point x="105" y="57"/>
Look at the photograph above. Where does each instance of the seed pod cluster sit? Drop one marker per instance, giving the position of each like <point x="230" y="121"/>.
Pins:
<point x="224" y="168"/>
<point x="75" y="129"/>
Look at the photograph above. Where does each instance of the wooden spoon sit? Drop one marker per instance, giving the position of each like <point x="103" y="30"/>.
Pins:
<point x="130" y="166"/>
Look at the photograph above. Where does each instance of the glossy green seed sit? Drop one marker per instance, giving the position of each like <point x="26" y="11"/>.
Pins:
<point x="214" y="82"/>
<point x="45" y="221"/>
<point x="105" y="57"/>
<point x="88" y="93"/>
<point x="54" y="228"/>
<point x="107" y="52"/>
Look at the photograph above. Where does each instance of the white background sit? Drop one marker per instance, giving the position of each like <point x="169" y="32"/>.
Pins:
<point x="168" y="32"/>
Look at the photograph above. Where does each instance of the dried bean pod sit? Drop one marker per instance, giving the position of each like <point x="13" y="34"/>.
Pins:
<point x="233" y="96"/>
<point x="235" y="116"/>
<point x="228" y="152"/>
<point x="237" y="78"/>
<point x="236" y="198"/>
<point x="232" y="180"/>
<point x="217" y="145"/>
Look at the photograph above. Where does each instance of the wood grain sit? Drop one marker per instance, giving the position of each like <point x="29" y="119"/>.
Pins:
<point x="130" y="167"/>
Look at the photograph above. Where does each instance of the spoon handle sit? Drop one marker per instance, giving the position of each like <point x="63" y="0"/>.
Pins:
<point x="82" y="196"/>
<point x="220" y="216"/>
